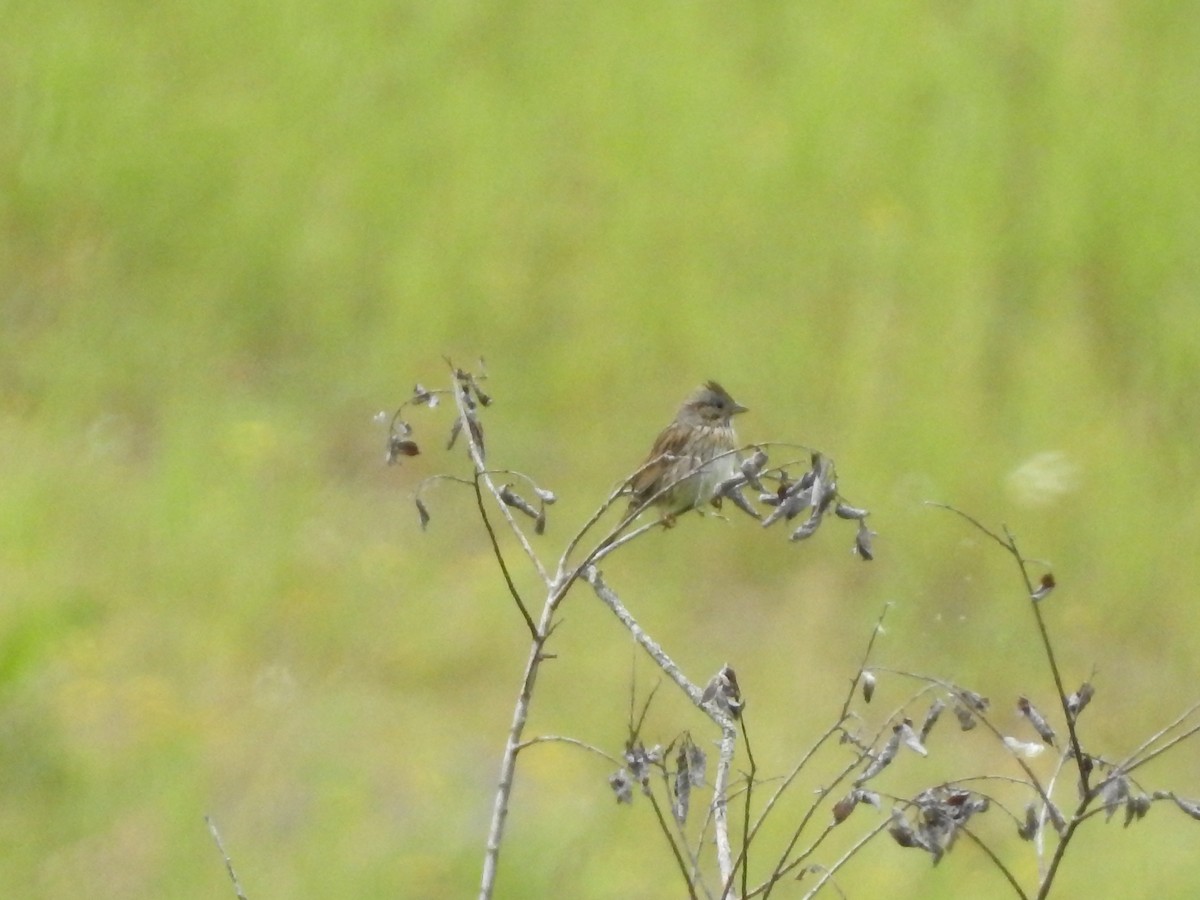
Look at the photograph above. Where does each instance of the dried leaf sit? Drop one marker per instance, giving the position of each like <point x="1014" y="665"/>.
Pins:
<point x="546" y="496"/>
<point x="422" y="512"/>
<point x="455" y="428"/>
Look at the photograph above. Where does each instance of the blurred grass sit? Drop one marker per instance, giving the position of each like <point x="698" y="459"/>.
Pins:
<point x="932" y="239"/>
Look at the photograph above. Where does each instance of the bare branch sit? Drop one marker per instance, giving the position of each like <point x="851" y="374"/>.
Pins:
<point x="216" y="836"/>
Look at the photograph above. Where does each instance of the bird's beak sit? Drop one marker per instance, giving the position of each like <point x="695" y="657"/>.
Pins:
<point x="738" y="408"/>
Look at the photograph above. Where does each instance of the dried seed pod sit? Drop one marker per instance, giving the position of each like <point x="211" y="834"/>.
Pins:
<point x="1045" y="586"/>
<point x="846" y="511"/>
<point x="1036" y="719"/>
<point x="902" y="833"/>
<point x="484" y="399"/>
<point x="845" y="806"/>
<point x="868" y="686"/>
<point x="862" y="542"/>
<point x="1079" y="700"/>
<point x="723" y="691"/>
<point x="1114" y="793"/>
<point x="682" y="787"/>
<point x="881" y="760"/>
<point x="1026" y="749"/>
<point x="697" y="764"/>
<point x="788" y="506"/>
<point x="909" y="738"/>
<point x="738" y="499"/>
<point x="621" y="785"/>
<point x="476" y="428"/>
<point x="807" y="530"/>
<point x="422" y="396"/>
<point x="752" y="468"/>
<point x="966" y="719"/>
<point x="399" y="447"/>
<point x="516" y="501"/>
<point x="977" y="702"/>
<point x="931" y="717"/>
<point x="1029" y="829"/>
<point x="1191" y="807"/>
<point x="1136" y="807"/>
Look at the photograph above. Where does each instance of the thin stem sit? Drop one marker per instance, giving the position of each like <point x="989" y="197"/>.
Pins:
<point x="830" y="871"/>
<point x="508" y="764"/>
<point x="561" y="739"/>
<point x="666" y="830"/>
<point x="483" y="473"/>
<point x="829" y="732"/>
<point x="744" y="856"/>
<point x="1076" y="750"/>
<point x="216" y="836"/>
<point x="1136" y="760"/>
<point x="1004" y="870"/>
<point x="512" y="588"/>
<point x="1009" y="543"/>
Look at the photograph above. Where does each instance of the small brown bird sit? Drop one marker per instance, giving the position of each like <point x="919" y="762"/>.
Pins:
<point x="702" y="431"/>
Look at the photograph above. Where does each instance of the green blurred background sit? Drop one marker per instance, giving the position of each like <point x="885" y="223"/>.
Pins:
<point x="955" y="245"/>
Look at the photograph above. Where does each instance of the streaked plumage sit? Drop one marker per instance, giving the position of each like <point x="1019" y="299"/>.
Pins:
<point x="702" y="432"/>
